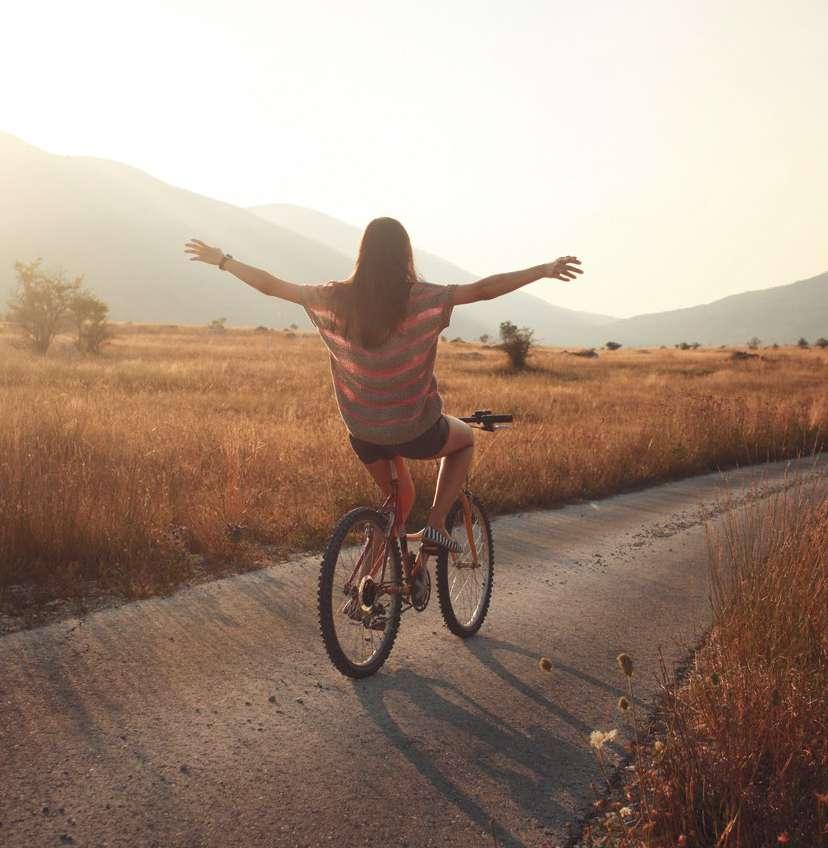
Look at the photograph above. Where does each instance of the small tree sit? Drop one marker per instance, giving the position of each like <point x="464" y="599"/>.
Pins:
<point x="484" y="339"/>
<point x="612" y="345"/>
<point x="40" y="304"/>
<point x="803" y="342"/>
<point x="517" y="343"/>
<point x="217" y="325"/>
<point x="683" y="346"/>
<point x="821" y="342"/>
<point x="89" y="314"/>
<point x="754" y="342"/>
<point x="294" y="327"/>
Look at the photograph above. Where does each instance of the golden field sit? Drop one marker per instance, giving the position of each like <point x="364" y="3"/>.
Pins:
<point x="737" y="756"/>
<point x="122" y="467"/>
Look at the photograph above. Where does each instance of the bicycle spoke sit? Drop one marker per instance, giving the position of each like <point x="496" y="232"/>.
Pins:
<point x="468" y="583"/>
<point x="359" y="619"/>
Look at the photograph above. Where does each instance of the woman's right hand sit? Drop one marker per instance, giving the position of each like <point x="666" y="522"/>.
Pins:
<point x="202" y="252"/>
<point x="563" y="268"/>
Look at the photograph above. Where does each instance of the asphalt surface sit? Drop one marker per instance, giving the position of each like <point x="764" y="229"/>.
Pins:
<point x="213" y="717"/>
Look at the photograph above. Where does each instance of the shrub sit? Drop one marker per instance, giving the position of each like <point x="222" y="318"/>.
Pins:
<point x="517" y="343"/>
<point x="89" y="314"/>
<point x="821" y="342"/>
<point x="803" y="342"/>
<point x="754" y="342"/>
<point x="484" y="339"/>
<point x="40" y="305"/>
<point x="612" y="345"/>
<point x="683" y="346"/>
<point x="217" y="325"/>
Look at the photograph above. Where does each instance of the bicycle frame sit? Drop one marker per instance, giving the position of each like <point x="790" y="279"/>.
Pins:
<point x="395" y="530"/>
<point x="482" y="419"/>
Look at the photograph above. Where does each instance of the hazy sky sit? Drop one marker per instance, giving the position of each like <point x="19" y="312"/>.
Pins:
<point x="678" y="147"/>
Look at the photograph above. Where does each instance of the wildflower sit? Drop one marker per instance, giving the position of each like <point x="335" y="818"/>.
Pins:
<point x="545" y="664"/>
<point x="626" y="664"/>
<point x="599" y="738"/>
<point x="625" y="812"/>
<point x="783" y="838"/>
<point x="658" y="747"/>
<point x="623" y="704"/>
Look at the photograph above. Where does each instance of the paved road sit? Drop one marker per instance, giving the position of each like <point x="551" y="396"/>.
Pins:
<point x="212" y="718"/>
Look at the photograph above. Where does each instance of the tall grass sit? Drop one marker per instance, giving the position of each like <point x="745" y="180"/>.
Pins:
<point x="740" y="757"/>
<point x="177" y="441"/>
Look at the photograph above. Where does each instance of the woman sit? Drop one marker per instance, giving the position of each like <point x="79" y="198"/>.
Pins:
<point x="381" y="328"/>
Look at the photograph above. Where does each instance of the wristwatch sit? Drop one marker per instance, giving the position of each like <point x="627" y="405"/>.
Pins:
<point x="224" y="259"/>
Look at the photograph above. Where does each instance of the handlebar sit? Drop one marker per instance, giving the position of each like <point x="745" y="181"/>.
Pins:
<point x="486" y="420"/>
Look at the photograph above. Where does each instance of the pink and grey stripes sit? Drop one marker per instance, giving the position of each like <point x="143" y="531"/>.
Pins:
<point x="387" y="395"/>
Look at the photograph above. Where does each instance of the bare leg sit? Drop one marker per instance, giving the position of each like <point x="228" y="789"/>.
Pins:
<point x="381" y="472"/>
<point x="456" y="456"/>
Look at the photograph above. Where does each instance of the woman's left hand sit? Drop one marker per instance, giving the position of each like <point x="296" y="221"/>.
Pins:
<point x="203" y="252"/>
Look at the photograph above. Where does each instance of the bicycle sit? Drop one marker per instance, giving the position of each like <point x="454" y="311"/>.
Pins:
<point x="369" y="576"/>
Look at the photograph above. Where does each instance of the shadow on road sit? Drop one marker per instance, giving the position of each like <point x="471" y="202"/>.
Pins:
<point x="476" y="758"/>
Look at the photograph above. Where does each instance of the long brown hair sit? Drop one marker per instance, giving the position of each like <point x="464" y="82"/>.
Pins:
<point x="373" y="304"/>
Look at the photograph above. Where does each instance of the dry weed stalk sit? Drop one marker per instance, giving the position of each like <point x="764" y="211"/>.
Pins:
<point x="740" y="754"/>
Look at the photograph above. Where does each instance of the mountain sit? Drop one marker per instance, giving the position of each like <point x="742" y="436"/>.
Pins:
<point x="552" y="324"/>
<point x="780" y="314"/>
<point x="124" y="231"/>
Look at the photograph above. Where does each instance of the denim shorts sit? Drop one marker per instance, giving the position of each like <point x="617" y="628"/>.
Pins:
<point x="425" y="446"/>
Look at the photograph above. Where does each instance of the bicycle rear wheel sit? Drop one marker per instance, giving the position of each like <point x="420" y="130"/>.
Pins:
<point x="463" y="589"/>
<point x="358" y="615"/>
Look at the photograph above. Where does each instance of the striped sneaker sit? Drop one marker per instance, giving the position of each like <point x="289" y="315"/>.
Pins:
<point x="434" y="536"/>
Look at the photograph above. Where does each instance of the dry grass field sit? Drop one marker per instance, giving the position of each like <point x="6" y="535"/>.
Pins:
<point x="738" y="756"/>
<point x="122" y="468"/>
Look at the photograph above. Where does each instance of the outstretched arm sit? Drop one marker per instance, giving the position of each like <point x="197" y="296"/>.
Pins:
<point x="498" y="284"/>
<point x="255" y="277"/>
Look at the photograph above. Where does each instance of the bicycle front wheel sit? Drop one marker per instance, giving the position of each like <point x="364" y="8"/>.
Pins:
<point x="464" y="588"/>
<point x="359" y="593"/>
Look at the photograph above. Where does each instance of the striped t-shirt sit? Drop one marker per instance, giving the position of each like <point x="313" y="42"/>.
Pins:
<point x="387" y="395"/>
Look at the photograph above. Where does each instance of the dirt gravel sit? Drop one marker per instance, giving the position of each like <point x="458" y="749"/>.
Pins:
<point x="213" y="717"/>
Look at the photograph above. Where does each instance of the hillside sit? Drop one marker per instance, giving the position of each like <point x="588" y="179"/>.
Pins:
<point x="124" y="231"/>
<point x="552" y="324"/>
<point x="780" y="314"/>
